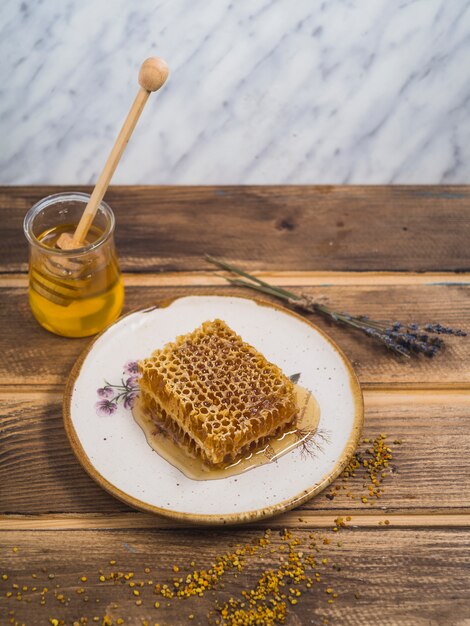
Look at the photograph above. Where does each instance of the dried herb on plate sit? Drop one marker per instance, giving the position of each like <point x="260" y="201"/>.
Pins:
<point x="403" y="339"/>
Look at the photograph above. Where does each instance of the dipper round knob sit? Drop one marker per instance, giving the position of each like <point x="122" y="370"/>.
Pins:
<point x="153" y="73"/>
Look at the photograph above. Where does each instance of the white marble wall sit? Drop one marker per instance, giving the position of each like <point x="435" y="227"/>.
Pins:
<point x="260" y="91"/>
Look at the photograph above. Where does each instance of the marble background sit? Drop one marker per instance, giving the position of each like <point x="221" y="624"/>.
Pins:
<point x="265" y="91"/>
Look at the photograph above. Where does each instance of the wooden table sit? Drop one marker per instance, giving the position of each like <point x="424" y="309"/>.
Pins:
<point x="386" y="251"/>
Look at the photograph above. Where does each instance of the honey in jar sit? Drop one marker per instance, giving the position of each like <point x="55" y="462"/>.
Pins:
<point x="74" y="293"/>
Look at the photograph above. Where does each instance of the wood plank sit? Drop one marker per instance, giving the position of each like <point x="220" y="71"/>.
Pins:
<point x="297" y="519"/>
<point x="396" y="577"/>
<point x="288" y="227"/>
<point x="284" y="278"/>
<point x="31" y="362"/>
<point x="429" y="472"/>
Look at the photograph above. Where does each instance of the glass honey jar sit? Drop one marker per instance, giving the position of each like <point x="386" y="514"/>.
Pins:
<point x="73" y="293"/>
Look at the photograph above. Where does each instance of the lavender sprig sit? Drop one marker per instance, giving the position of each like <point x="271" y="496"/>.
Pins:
<point x="403" y="339"/>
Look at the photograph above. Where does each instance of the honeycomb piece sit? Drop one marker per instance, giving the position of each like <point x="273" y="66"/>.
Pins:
<point x="171" y="429"/>
<point x="215" y="394"/>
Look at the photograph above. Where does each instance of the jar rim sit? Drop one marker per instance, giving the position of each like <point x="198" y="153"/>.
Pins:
<point x="65" y="196"/>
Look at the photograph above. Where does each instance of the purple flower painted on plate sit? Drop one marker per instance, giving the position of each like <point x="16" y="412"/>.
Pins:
<point x="105" y="392"/>
<point x="132" y="382"/>
<point x="105" y="407"/>
<point x="131" y="368"/>
<point x="129" y="400"/>
<point x="110" y="395"/>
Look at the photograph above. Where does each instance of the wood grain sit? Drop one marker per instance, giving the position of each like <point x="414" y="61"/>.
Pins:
<point x="382" y="251"/>
<point x="396" y="577"/>
<point x="448" y="304"/>
<point x="300" y="279"/>
<point x="276" y="227"/>
<point x="304" y="519"/>
<point x="429" y="472"/>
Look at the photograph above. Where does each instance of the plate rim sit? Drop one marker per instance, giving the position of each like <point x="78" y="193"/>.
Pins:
<point x="215" y="519"/>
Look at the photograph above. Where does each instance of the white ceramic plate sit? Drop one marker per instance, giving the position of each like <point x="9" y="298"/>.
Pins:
<point x="113" y="448"/>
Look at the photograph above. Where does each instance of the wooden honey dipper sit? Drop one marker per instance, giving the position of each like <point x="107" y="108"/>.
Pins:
<point x="152" y="75"/>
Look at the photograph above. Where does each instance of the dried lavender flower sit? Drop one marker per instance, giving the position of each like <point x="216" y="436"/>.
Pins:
<point x="403" y="339"/>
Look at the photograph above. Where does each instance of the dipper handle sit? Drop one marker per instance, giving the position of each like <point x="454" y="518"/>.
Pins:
<point x="152" y="75"/>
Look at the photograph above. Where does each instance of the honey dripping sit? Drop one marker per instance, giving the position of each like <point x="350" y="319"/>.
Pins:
<point x="303" y="430"/>
<point x="75" y="296"/>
